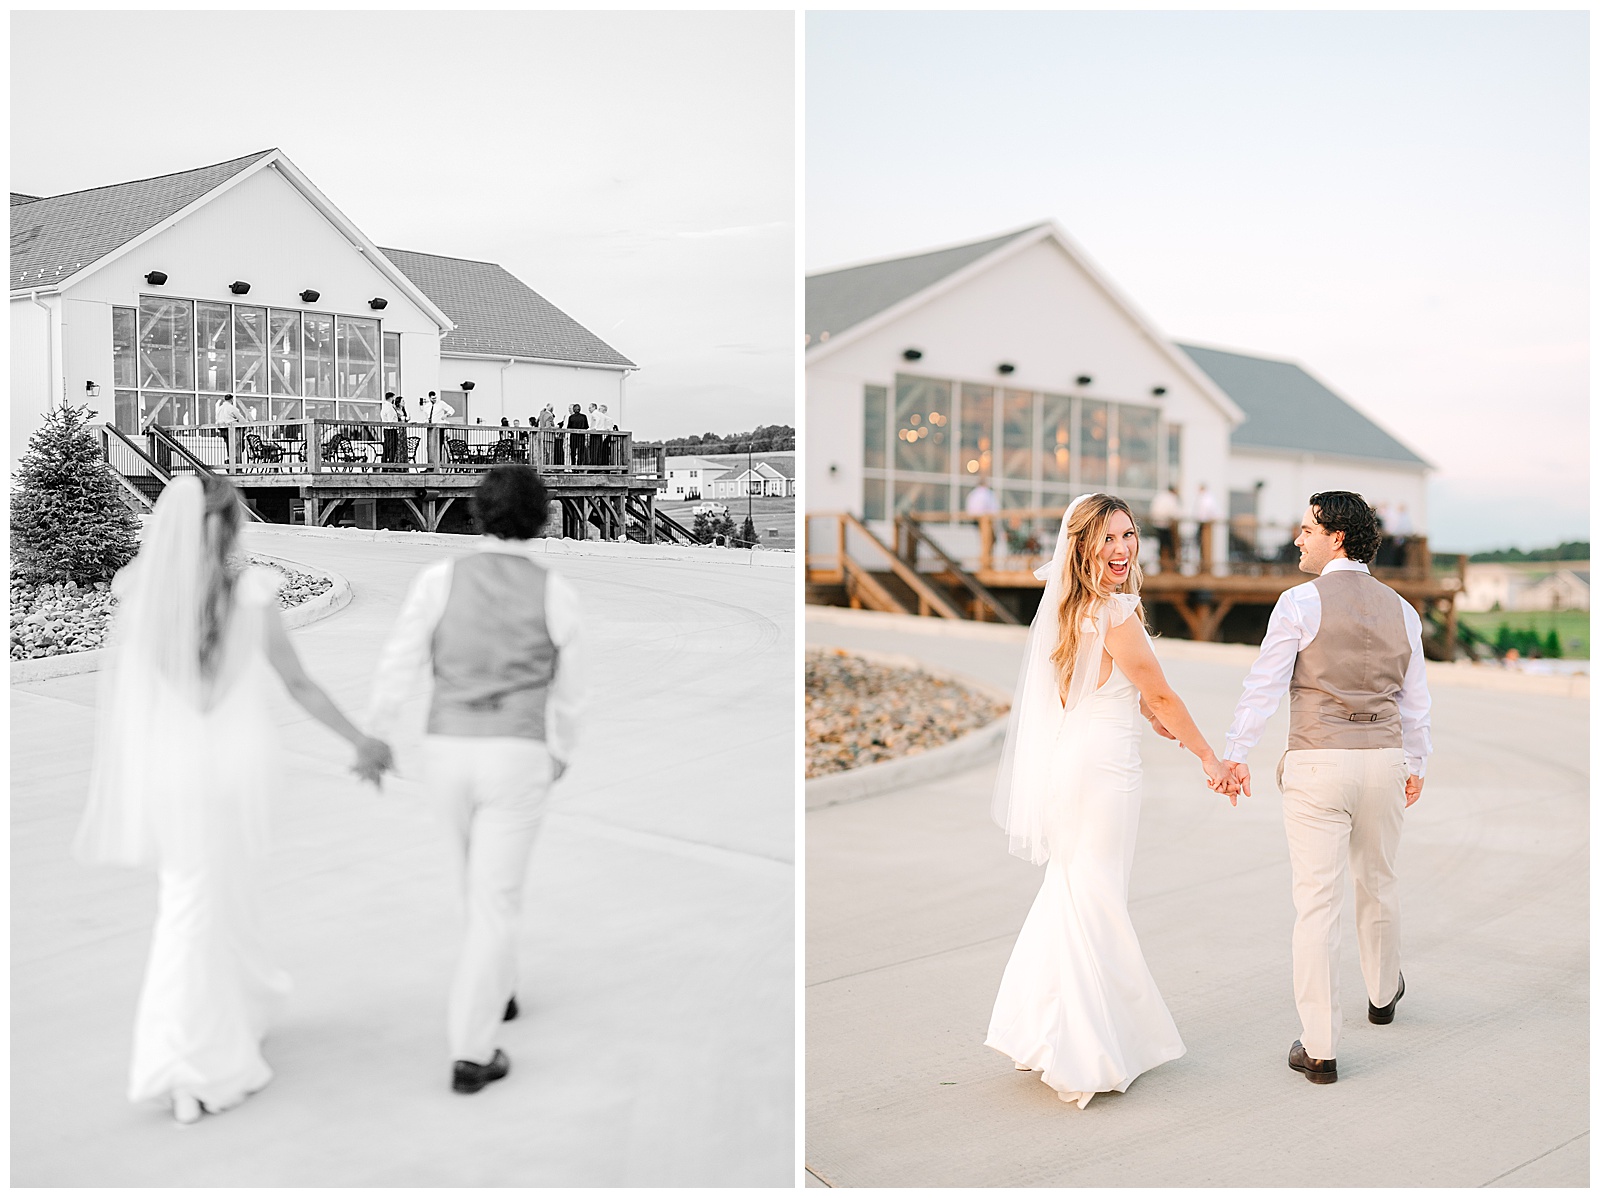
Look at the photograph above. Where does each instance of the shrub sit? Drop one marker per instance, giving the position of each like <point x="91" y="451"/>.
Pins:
<point x="68" y="519"/>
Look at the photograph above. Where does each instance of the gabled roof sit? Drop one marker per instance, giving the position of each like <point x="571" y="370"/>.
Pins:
<point x="1286" y="408"/>
<point x="496" y="314"/>
<point x="839" y="299"/>
<point x="695" y="463"/>
<point x="56" y="236"/>
<point x="781" y="460"/>
<point x="850" y="303"/>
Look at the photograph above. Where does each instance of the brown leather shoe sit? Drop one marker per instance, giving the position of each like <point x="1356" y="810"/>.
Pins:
<point x="1321" y="1072"/>
<point x="1386" y="1014"/>
<point x="470" y="1077"/>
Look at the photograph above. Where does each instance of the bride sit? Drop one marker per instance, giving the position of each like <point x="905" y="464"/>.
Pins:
<point x="185" y="766"/>
<point x="1077" y="1003"/>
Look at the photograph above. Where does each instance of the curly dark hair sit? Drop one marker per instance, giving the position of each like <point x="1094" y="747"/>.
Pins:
<point x="511" y="502"/>
<point x="1347" y="512"/>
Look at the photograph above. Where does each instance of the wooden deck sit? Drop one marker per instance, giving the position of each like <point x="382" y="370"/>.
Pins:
<point x="847" y="563"/>
<point x="320" y="473"/>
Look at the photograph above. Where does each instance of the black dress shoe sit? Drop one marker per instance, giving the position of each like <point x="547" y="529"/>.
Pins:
<point x="511" y="1010"/>
<point x="1386" y="1014"/>
<point x="1321" y="1072"/>
<point x="470" y="1077"/>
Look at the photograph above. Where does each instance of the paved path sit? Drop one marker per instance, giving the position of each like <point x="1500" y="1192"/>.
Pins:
<point x="656" y="1043"/>
<point x="1483" y="1079"/>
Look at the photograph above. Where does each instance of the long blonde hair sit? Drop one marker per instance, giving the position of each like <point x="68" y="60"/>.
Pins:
<point x="1085" y="587"/>
<point x="223" y="516"/>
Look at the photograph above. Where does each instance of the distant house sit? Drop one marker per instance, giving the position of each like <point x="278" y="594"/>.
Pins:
<point x="691" y="477"/>
<point x="1527" y="586"/>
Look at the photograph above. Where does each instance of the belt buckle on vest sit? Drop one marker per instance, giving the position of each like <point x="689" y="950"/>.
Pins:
<point x="1363" y="717"/>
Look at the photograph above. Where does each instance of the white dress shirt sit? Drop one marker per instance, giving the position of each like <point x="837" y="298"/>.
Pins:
<point x="408" y="655"/>
<point x="1293" y="625"/>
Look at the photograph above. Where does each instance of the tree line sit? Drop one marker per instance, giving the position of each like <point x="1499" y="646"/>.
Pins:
<point x="765" y="438"/>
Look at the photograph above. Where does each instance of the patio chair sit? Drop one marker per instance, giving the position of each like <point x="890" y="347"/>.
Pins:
<point x="257" y="451"/>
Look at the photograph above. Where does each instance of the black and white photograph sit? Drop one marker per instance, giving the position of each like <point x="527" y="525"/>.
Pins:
<point x="1197" y="654"/>
<point x="403" y="571"/>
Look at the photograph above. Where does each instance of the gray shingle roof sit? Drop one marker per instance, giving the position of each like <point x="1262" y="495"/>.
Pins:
<point x="1286" y="408"/>
<point x="53" y="237"/>
<point x="839" y="299"/>
<point x="18" y="198"/>
<point x="496" y="313"/>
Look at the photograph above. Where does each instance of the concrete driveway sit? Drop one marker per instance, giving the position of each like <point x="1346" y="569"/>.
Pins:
<point x="656" y="1043"/>
<point x="912" y="905"/>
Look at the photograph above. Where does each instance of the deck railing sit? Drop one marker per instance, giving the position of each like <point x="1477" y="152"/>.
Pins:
<point x="317" y="446"/>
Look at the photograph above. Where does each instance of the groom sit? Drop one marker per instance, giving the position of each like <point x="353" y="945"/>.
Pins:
<point x="497" y="632"/>
<point x="1348" y="650"/>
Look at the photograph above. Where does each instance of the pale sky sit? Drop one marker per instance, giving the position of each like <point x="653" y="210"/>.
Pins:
<point x="635" y="169"/>
<point x="1397" y="201"/>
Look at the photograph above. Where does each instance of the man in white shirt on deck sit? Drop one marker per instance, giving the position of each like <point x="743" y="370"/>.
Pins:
<point x="1348" y="651"/>
<point x="497" y="633"/>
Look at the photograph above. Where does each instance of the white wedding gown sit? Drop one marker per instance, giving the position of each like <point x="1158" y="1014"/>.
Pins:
<point x="1077" y="1003"/>
<point x="210" y="988"/>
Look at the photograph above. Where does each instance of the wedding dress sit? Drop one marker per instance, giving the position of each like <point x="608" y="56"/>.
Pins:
<point x="182" y="777"/>
<point x="1077" y="1003"/>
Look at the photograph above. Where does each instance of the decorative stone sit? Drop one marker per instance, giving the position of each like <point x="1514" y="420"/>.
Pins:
<point x="860" y="711"/>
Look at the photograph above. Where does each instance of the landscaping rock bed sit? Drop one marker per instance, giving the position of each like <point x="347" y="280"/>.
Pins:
<point x="860" y="711"/>
<point x="66" y="618"/>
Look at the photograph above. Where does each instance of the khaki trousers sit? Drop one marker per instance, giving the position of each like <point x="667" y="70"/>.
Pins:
<point x="490" y="791"/>
<point x="1342" y="811"/>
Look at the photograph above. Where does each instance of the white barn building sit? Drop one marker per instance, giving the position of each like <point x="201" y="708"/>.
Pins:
<point x="1015" y="359"/>
<point x="157" y="296"/>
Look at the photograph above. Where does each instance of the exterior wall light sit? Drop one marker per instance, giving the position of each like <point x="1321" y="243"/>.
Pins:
<point x="1158" y="392"/>
<point x="308" y="296"/>
<point x="1006" y="368"/>
<point x="912" y="355"/>
<point x="239" y="288"/>
<point x="91" y="388"/>
<point x="1084" y="380"/>
<point x="378" y="304"/>
<point x="468" y="386"/>
<point x="156" y="277"/>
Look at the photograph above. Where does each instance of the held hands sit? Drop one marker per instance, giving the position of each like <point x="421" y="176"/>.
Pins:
<point x="373" y="757"/>
<point x="1413" y="789"/>
<point x="1228" y="778"/>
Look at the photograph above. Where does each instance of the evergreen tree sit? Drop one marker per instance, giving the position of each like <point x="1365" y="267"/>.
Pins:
<point x="1502" y="640"/>
<point x="68" y="518"/>
<point x="747" y="534"/>
<point x="1552" y="644"/>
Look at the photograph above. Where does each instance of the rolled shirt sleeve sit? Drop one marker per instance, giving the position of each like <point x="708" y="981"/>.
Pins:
<point x="408" y="652"/>
<point x="1290" y="628"/>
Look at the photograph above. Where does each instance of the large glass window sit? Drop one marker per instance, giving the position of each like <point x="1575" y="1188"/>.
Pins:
<point x="215" y="338"/>
<point x="124" y="348"/>
<point x="319" y="355"/>
<point x="1056" y="438"/>
<point x="125" y="412"/>
<point x="922" y="422"/>
<point x="250" y="351"/>
<point x="1136" y="446"/>
<point x="1036" y="449"/>
<point x="391" y="363"/>
<point x="166" y="344"/>
<point x="360" y="356"/>
<point x="1016" y="428"/>
<point x="921" y="497"/>
<point x="284" y="352"/>
<point x="875" y="428"/>
<point x="1094" y="445"/>
<point x="1175" y="456"/>
<point x="977" y="431"/>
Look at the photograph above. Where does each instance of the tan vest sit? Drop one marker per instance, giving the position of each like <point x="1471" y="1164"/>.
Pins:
<point x="493" y="659"/>
<point x="1343" y="692"/>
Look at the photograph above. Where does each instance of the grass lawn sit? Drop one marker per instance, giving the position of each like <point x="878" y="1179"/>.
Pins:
<point x="1570" y="626"/>
<point x="769" y="513"/>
